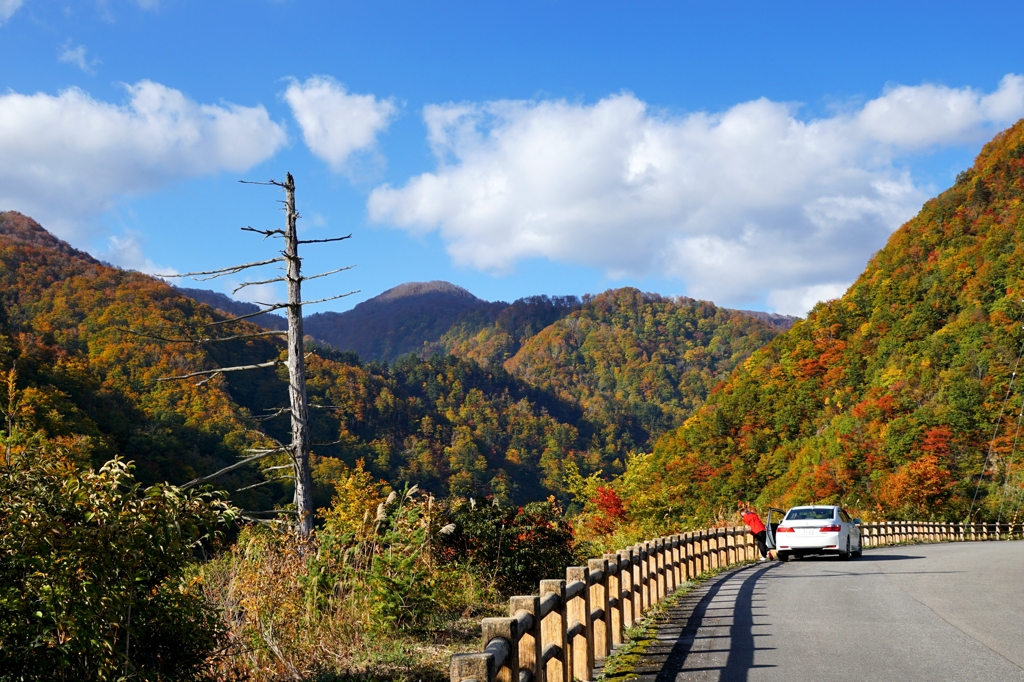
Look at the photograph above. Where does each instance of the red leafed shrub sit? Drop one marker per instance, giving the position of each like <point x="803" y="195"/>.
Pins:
<point x="609" y="510"/>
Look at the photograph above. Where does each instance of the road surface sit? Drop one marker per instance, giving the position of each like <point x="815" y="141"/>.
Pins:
<point x="950" y="611"/>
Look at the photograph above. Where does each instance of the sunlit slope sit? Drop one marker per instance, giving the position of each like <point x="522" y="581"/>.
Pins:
<point x="638" y="363"/>
<point x="85" y="382"/>
<point x="886" y="399"/>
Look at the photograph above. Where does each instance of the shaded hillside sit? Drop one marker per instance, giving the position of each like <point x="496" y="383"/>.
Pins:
<point x="230" y="306"/>
<point x="886" y="399"/>
<point x="399" y="321"/>
<point x="638" y="363"/>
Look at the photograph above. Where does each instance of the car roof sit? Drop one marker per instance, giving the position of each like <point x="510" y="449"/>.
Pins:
<point x="816" y="506"/>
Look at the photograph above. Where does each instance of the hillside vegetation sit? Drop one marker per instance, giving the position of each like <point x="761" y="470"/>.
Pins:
<point x="887" y="399"/>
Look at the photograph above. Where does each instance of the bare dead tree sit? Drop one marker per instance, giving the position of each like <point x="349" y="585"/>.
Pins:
<point x="298" y="408"/>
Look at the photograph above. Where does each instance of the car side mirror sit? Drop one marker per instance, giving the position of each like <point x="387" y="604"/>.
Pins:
<point x="856" y="521"/>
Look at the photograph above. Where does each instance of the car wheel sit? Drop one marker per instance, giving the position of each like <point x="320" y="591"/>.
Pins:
<point x="860" y="551"/>
<point x="783" y="556"/>
<point x="845" y="556"/>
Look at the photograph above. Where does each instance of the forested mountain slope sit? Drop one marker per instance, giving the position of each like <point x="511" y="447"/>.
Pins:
<point x="90" y="386"/>
<point x="399" y="321"/>
<point x="589" y="381"/>
<point x="885" y="400"/>
<point x="638" y="363"/>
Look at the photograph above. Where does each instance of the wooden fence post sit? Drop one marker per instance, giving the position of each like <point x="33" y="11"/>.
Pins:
<point x="677" y="560"/>
<point x="579" y="635"/>
<point x="626" y="582"/>
<point x="599" y="621"/>
<point x="659" y="567"/>
<point x="502" y="634"/>
<point x="552" y="629"/>
<point x="478" y="667"/>
<point x="530" y="654"/>
<point x="614" y="597"/>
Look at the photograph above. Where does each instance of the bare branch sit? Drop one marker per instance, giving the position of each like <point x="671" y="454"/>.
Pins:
<point x="271" y="309"/>
<point x="333" y="442"/>
<point x="268" y="481"/>
<point x="265" y="233"/>
<point x="273" y="413"/>
<point x="324" y="241"/>
<point x="203" y="340"/>
<point x="332" y="298"/>
<point x="253" y="182"/>
<point x="208" y="379"/>
<point x="269" y="511"/>
<point x="236" y="465"/>
<point x="326" y="407"/>
<point x="323" y="274"/>
<point x="269" y="451"/>
<point x="249" y="284"/>
<point x="282" y="466"/>
<point x="234" y="269"/>
<point x="237" y="368"/>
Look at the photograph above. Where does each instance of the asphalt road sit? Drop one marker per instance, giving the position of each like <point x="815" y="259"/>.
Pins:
<point x="926" y="612"/>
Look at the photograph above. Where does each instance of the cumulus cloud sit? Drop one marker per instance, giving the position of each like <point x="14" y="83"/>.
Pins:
<point x="747" y="205"/>
<point x="8" y="8"/>
<point x="76" y="55"/>
<point x="70" y="157"/>
<point x="125" y="250"/>
<point x="335" y="123"/>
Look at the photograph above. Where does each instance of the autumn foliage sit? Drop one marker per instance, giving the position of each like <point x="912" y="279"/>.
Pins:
<point x="895" y="399"/>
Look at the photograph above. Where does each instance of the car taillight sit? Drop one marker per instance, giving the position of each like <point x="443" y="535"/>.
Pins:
<point x="784" y="529"/>
<point x="830" y="529"/>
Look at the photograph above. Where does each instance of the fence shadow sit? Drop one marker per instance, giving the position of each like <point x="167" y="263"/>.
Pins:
<point x="741" y="644"/>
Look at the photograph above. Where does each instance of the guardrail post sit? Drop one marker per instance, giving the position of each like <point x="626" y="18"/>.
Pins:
<point x="689" y="561"/>
<point x="529" y="638"/>
<point x="659" y="567"/>
<point x="478" y="667"/>
<point x="614" y="597"/>
<point x="552" y="634"/>
<point x="677" y="556"/>
<point x="627" y="592"/>
<point x="508" y="630"/>
<point x="640" y="579"/>
<point x="639" y="605"/>
<point x="581" y="644"/>
<point x="599" y="620"/>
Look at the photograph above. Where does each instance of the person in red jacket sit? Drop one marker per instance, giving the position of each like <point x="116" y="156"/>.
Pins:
<point x="756" y="527"/>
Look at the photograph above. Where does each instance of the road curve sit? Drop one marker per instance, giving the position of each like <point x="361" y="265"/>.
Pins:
<point x="924" y="612"/>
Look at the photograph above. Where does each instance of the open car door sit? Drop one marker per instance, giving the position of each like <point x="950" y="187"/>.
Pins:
<point x="771" y="522"/>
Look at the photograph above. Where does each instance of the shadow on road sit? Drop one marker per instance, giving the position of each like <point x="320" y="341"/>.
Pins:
<point x="866" y="557"/>
<point x="739" y="642"/>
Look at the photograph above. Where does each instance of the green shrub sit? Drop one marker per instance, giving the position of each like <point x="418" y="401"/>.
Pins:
<point x="92" y="574"/>
<point x="516" y="547"/>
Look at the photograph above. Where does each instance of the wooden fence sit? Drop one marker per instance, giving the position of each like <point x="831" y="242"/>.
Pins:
<point x="560" y="633"/>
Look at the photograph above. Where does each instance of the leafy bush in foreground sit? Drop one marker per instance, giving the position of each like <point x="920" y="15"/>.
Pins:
<point x="92" y="574"/>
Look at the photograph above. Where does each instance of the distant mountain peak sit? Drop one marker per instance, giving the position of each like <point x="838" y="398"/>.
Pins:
<point x="436" y="286"/>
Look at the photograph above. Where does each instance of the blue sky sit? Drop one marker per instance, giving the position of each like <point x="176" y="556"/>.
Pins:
<point x="752" y="155"/>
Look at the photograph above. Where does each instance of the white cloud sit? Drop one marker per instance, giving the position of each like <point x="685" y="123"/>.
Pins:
<point x="76" y="56"/>
<point x="70" y="157"/>
<point x="337" y="124"/>
<point x="126" y="251"/>
<point x="746" y="205"/>
<point x="8" y="8"/>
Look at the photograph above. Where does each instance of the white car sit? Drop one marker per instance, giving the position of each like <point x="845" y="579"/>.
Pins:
<point x="817" y="530"/>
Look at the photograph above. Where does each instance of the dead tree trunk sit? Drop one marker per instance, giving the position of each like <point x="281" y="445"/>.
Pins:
<point x="297" y="368"/>
<point x="299" y="448"/>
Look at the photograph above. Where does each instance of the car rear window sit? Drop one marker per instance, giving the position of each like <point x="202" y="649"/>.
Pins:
<point x="810" y="514"/>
